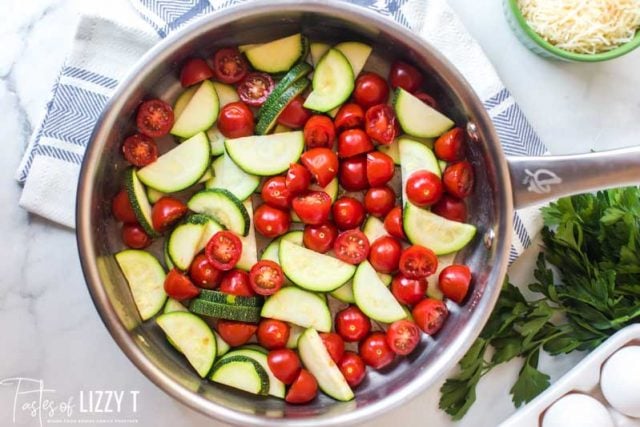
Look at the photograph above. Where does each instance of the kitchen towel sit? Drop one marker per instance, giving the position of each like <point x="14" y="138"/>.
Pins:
<point x="110" y="39"/>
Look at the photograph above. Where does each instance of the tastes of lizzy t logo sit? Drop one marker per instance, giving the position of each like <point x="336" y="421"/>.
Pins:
<point x="33" y="403"/>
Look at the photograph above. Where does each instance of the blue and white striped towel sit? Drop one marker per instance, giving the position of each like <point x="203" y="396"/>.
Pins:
<point x="112" y="38"/>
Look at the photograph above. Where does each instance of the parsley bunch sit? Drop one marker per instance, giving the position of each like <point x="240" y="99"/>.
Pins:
<point x="593" y="242"/>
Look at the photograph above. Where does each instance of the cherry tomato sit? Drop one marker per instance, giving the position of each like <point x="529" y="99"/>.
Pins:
<point x="405" y="76"/>
<point x="430" y="315"/>
<point x="304" y="389"/>
<point x="235" y="120"/>
<point x="353" y="368"/>
<point x="236" y="333"/>
<point x="370" y="89"/>
<point x="350" y="116"/>
<point x="273" y="334"/>
<point x="348" y="213"/>
<point x="427" y="99"/>
<point x="424" y="188"/>
<point x="298" y="179"/>
<point x="384" y="255"/>
<point x="352" y="324"/>
<point x="154" y="118"/>
<point x="403" y="336"/>
<point x="353" y="173"/>
<point x="203" y="274"/>
<point x="353" y="142"/>
<point x="229" y="66"/>
<point x="375" y="351"/>
<point x="194" y="71"/>
<point x="134" y="236"/>
<point x="393" y="223"/>
<point x="322" y="163"/>
<point x="236" y="282"/>
<point x="179" y="287"/>
<point x="381" y="124"/>
<point x="266" y="277"/>
<point x="121" y="208"/>
<point x="294" y="115"/>
<point x="380" y="168"/>
<point x="458" y="179"/>
<point x="313" y="207"/>
<point x="271" y="222"/>
<point x="454" y="281"/>
<point x="319" y="238"/>
<point x="140" y="150"/>
<point x="418" y="262"/>
<point x="284" y="364"/>
<point x="351" y="246"/>
<point x="408" y="291"/>
<point x="166" y="212"/>
<point x="450" y="146"/>
<point x="379" y="201"/>
<point x="275" y="192"/>
<point x="319" y="131"/>
<point x="451" y="208"/>
<point x="255" y="88"/>
<point x="334" y="345"/>
<point x="223" y="250"/>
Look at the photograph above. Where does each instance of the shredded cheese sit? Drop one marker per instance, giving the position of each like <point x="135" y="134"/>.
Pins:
<point x="583" y="26"/>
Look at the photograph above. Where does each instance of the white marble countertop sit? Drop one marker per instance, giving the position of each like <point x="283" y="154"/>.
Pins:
<point x="50" y="330"/>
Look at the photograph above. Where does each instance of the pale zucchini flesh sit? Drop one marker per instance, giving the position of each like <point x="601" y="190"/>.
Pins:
<point x="356" y="53"/>
<point x="139" y="202"/>
<point x="224" y="207"/>
<point x="276" y="56"/>
<point x="266" y="155"/>
<point x="276" y="387"/>
<point x="249" y="255"/>
<point x="303" y="308"/>
<point x="415" y="156"/>
<point x="227" y="175"/>
<point x="199" y="113"/>
<point x="417" y="118"/>
<point x="333" y="82"/>
<point x="145" y="277"/>
<point x="373" y="297"/>
<point x="243" y="373"/>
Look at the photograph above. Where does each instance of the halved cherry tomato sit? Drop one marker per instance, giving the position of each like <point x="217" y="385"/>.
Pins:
<point x="304" y="389"/>
<point x="451" y="208"/>
<point x="276" y="193"/>
<point x="319" y="238"/>
<point x="417" y="262"/>
<point x="352" y="324"/>
<point x="450" y="146"/>
<point x="427" y="99"/>
<point x="134" y="236"/>
<point x="235" y="120"/>
<point x="194" y="71"/>
<point x="140" y="150"/>
<point x="322" y="163"/>
<point x="273" y="334"/>
<point x="236" y="282"/>
<point x="313" y="207"/>
<point x="375" y="351"/>
<point x="223" y="250"/>
<point x="235" y="333"/>
<point x="403" y="336"/>
<point x="353" y="368"/>
<point x="384" y="255"/>
<point x="381" y="124"/>
<point x="229" y="66"/>
<point x="379" y="201"/>
<point x="294" y="115"/>
<point x="298" y="179"/>
<point x="458" y="179"/>
<point x="380" y="168"/>
<point x="166" y="212"/>
<point x="284" y="364"/>
<point x="203" y="274"/>
<point x="334" y="345"/>
<point x="430" y="315"/>
<point x="271" y="222"/>
<point x="393" y="223"/>
<point x="353" y="142"/>
<point x="319" y="131"/>
<point x="405" y="76"/>
<point x="255" y="88"/>
<point x="266" y="277"/>
<point x="348" y="213"/>
<point x="353" y="173"/>
<point x="121" y="208"/>
<point x="370" y="89"/>
<point x="154" y="118"/>
<point x="454" y="281"/>
<point x="178" y="286"/>
<point x="351" y="246"/>
<point x="424" y="188"/>
<point x="350" y="116"/>
<point x="408" y="291"/>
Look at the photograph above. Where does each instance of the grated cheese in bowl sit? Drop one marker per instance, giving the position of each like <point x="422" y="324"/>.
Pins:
<point x="583" y="26"/>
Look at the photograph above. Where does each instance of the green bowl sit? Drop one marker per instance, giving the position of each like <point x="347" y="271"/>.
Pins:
<point x="537" y="44"/>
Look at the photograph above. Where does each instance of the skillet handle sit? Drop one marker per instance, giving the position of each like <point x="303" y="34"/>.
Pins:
<point x="541" y="179"/>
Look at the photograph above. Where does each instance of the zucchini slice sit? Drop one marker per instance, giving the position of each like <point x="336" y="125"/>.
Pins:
<point x="294" y="334"/>
<point x="271" y="251"/>
<point x="417" y="118"/>
<point x="139" y="201"/>
<point x="225" y="311"/>
<point x="199" y="113"/>
<point x="211" y="227"/>
<point x="317" y="51"/>
<point x="292" y="76"/>
<point x="373" y="297"/>
<point x="333" y="82"/>
<point x="391" y="150"/>
<point x="300" y="307"/>
<point x="216" y="141"/>
<point x="374" y="229"/>
<point x="345" y="292"/>
<point x="276" y="387"/>
<point x="226" y="93"/>
<point x="184" y="243"/>
<point x="145" y="277"/>
<point x="277" y="56"/>
<point x="227" y="175"/>
<point x="228" y="299"/>
<point x="183" y="100"/>
<point x="415" y="156"/>
<point x="243" y="373"/>
<point x="221" y="345"/>
<point x="356" y="53"/>
<point x="269" y="114"/>
<point x="168" y="262"/>
<point x="173" y="305"/>
<point x="224" y="207"/>
<point x="249" y="255"/>
<point x="266" y="155"/>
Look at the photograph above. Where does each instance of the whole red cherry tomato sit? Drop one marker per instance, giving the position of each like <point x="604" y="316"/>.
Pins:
<point x="319" y="238"/>
<point x="134" y="236"/>
<point x="458" y="179"/>
<point x="353" y="368"/>
<point x="298" y="179"/>
<point x="166" y="212"/>
<point x="393" y="223"/>
<point x="322" y="163"/>
<point x="223" y="250"/>
<point x="351" y="246"/>
<point x="266" y="277"/>
<point x="403" y="336"/>
<point x="194" y="71"/>
<point x="154" y="118"/>
<point x="450" y="146"/>
<point x="334" y="345"/>
<point x="273" y="334"/>
<point x="271" y="222"/>
<point x="294" y="115"/>
<point x="353" y="142"/>
<point x="179" y="287"/>
<point x="235" y="333"/>
<point x="379" y="201"/>
<point x="203" y="274"/>
<point x="276" y="193"/>
<point x="408" y="291"/>
<point x="381" y="124"/>
<point x="375" y="351"/>
<point x="312" y="207"/>
<point x="122" y="209"/>
<point x="255" y="88"/>
<point x="451" y="208"/>
<point x="284" y="364"/>
<point x="236" y="282"/>
<point x="380" y="168"/>
<point x="405" y="76"/>
<point x="348" y="213"/>
<point x="319" y="131"/>
<point x="350" y="116"/>
<point x="140" y="150"/>
<point x="430" y="315"/>
<point x="417" y="262"/>
<point x="384" y="254"/>
<point x="304" y="389"/>
<point x="424" y="188"/>
<point x="370" y="90"/>
<point x="352" y="324"/>
<point x="353" y="173"/>
<point x="235" y="120"/>
<point x="229" y="66"/>
<point x="454" y="281"/>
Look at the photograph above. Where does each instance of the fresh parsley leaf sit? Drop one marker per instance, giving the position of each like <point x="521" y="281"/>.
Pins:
<point x="531" y="382"/>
